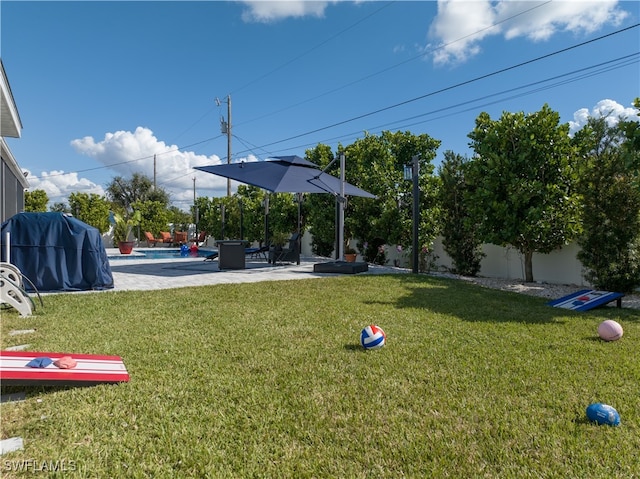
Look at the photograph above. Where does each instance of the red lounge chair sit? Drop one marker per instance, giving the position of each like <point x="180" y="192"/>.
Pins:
<point x="180" y="237"/>
<point x="165" y="237"/>
<point x="151" y="240"/>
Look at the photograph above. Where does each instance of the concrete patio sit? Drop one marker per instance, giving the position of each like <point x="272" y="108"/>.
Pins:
<point x="139" y="273"/>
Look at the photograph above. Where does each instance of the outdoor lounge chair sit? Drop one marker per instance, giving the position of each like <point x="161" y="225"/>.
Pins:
<point x="289" y="254"/>
<point x="257" y="253"/>
<point x="179" y="237"/>
<point x="165" y="237"/>
<point x="151" y="240"/>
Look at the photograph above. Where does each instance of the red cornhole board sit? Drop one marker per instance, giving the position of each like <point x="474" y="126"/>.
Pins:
<point x="90" y="369"/>
<point x="587" y="299"/>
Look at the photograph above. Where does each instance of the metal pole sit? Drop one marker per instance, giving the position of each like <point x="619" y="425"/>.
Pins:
<point x="266" y="220"/>
<point x="228" y="141"/>
<point x="299" y="200"/>
<point x="341" y="209"/>
<point x="241" y="220"/>
<point x="222" y="219"/>
<point x="195" y="209"/>
<point x="416" y="210"/>
<point x="7" y="246"/>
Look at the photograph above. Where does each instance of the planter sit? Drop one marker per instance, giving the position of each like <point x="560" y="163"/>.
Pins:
<point x="350" y="257"/>
<point x="126" y="247"/>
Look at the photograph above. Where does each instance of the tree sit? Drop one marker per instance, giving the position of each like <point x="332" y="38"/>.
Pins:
<point x="154" y="217"/>
<point x="91" y="208"/>
<point x="321" y="208"/>
<point x="60" y="207"/>
<point x="123" y="193"/>
<point x="522" y="182"/>
<point x="460" y="239"/>
<point x="35" y="201"/>
<point x="610" y="187"/>
<point x="179" y="218"/>
<point x="376" y="164"/>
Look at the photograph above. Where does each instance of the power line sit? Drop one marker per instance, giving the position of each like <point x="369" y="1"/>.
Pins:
<point x="380" y="110"/>
<point x="452" y="87"/>
<point x="392" y="67"/>
<point x="315" y="47"/>
<point x="623" y="62"/>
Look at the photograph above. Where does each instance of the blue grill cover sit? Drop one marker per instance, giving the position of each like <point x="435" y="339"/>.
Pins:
<point x="57" y="252"/>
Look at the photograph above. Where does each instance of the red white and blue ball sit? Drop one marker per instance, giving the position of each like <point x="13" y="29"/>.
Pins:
<point x="603" y="414"/>
<point x="372" y="337"/>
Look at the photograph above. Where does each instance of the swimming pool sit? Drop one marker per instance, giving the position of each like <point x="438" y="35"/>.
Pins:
<point x="162" y="253"/>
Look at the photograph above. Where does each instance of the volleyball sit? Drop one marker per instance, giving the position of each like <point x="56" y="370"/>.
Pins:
<point x="610" y="330"/>
<point x="372" y="337"/>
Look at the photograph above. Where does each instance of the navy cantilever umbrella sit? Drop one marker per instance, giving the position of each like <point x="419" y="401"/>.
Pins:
<point x="291" y="174"/>
<point x="285" y="174"/>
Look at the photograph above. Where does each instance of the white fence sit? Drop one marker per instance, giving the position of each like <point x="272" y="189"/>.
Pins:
<point x="559" y="267"/>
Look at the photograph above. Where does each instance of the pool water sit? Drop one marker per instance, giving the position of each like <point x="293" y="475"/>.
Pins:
<point x="163" y="254"/>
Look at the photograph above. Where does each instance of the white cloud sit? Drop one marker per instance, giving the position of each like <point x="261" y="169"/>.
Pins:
<point x="461" y="25"/>
<point x="609" y="109"/>
<point x="58" y="185"/>
<point x="127" y="152"/>
<point x="268" y="11"/>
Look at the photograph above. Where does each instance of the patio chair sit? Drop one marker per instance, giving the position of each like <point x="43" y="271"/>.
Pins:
<point x="180" y="237"/>
<point x="151" y="240"/>
<point x="257" y="253"/>
<point x="290" y="254"/>
<point x="165" y="237"/>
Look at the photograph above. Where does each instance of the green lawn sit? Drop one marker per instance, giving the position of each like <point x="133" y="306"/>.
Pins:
<point x="268" y="380"/>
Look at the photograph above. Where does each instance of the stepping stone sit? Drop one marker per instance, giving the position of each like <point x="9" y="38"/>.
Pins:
<point x="17" y="332"/>
<point x="11" y="444"/>
<point x="20" y="347"/>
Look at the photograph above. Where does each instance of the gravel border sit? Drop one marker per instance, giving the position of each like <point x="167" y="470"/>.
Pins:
<point x="543" y="290"/>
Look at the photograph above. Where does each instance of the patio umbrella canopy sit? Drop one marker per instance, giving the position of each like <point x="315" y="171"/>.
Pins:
<point x="285" y="174"/>
<point x="292" y="174"/>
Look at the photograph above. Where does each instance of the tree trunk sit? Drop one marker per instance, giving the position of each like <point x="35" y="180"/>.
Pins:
<point x="528" y="266"/>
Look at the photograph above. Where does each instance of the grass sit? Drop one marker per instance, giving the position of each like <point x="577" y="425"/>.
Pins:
<point x="269" y="380"/>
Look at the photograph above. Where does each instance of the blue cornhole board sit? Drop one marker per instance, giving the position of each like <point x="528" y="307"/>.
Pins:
<point x="586" y="299"/>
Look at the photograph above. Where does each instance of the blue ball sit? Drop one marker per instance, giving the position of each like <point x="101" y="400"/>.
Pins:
<point x="603" y="414"/>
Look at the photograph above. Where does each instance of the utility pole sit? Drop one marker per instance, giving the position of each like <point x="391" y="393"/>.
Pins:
<point x="154" y="172"/>
<point x="225" y="128"/>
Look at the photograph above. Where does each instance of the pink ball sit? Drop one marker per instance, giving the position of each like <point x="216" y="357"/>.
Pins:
<point x="610" y="330"/>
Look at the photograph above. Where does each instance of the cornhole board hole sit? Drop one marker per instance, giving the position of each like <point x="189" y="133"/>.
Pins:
<point x="587" y="299"/>
<point x="89" y="370"/>
<point x="341" y="267"/>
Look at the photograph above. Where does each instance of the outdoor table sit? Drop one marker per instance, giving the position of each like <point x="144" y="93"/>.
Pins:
<point x="231" y="254"/>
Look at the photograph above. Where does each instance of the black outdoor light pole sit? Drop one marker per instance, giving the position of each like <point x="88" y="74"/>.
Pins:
<point x="222" y="220"/>
<point x="265" y="203"/>
<point x="241" y="219"/>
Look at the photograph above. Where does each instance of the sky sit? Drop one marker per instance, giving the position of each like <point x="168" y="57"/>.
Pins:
<point x="107" y="89"/>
